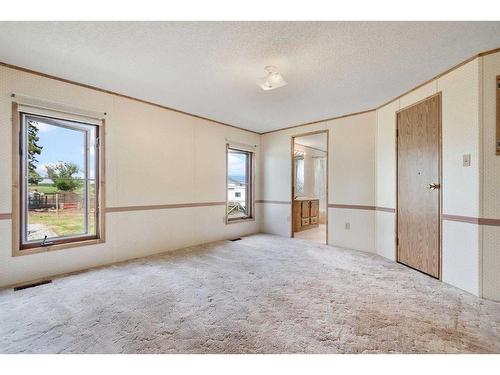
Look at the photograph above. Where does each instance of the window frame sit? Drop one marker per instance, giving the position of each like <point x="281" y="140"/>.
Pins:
<point x="250" y="190"/>
<point x="19" y="245"/>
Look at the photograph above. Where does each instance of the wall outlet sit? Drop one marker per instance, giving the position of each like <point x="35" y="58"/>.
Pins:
<point x="347" y="226"/>
<point x="466" y="160"/>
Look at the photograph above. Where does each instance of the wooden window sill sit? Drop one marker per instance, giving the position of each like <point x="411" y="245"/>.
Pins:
<point x="235" y="221"/>
<point x="55" y="247"/>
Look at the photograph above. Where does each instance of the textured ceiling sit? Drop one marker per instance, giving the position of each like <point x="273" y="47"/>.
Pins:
<point x="210" y="68"/>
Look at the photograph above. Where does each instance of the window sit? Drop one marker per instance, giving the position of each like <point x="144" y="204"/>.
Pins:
<point x="59" y="170"/>
<point x="239" y="185"/>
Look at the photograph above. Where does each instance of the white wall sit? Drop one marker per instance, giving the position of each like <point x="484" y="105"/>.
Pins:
<point x="490" y="180"/>
<point x="351" y="164"/>
<point x="460" y="135"/>
<point x="153" y="157"/>
<point x="385" y="185"/>
<point x="352" y="181"/>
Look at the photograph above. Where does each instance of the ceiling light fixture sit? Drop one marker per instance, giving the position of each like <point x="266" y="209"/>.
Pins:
<point x="273" y="80"/>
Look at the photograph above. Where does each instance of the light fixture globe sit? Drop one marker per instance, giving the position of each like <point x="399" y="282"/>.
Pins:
<point x="273" y="80"/>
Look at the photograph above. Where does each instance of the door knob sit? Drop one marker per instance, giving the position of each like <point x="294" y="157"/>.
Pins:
<point x="433" y="186"/>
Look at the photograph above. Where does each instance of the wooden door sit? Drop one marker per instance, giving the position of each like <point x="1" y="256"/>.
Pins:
<point x="418" y="181"/>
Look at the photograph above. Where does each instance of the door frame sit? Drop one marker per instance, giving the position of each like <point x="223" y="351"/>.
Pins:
<point x="440" y="181"/>
<point x="292" y="178"/>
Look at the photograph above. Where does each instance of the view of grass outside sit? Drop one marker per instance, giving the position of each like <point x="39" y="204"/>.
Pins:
<point x="57" y="190"/>
<point x="63" y="224"/>
<point x="60" y="220"/>
<point x="44" y="188"/>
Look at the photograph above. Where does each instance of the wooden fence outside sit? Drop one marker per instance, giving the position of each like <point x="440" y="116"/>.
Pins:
<point x="62" y="200"/>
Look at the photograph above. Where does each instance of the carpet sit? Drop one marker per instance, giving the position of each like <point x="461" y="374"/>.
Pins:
<point x="263" y="294"/>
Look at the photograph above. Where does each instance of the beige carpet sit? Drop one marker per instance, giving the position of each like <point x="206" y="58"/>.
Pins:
<point x="263" y="294"/>
<point x="317" y="234"/>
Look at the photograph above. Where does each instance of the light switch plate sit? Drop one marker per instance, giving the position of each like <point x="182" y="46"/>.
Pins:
<point x="347" y="226"/>
<point x="466" y="159"/>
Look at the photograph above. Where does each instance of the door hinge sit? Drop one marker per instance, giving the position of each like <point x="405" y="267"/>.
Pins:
<point x="397" y="241"/>
<point x="397" y="133"/>
<point x="97" y="142"/>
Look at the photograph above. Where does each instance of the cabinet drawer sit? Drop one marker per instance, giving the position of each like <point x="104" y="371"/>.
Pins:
<point x="305" y="221"/>
<point x="314" y="220"/>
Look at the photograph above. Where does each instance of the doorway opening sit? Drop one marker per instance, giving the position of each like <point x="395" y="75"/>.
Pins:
<point x="310" y="186"/>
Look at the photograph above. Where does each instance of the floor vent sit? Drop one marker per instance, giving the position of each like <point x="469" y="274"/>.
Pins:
<point x="236" y="239"/>
<point x="32" y="285"/>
